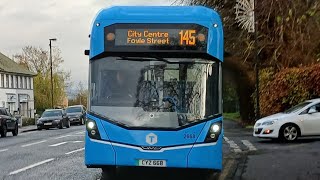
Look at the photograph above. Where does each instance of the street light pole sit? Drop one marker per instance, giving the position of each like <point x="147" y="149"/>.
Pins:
<point x="53" y="39"/>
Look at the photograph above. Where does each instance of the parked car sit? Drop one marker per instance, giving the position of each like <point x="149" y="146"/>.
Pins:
<point x="300" y="120"/>
<point x="76" y="114"/>
<point x="7" y="123"/>
<point x="53" y="118"/>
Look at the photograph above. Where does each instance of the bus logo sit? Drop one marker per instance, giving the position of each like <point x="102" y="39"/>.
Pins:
<point x="151" y="139"/>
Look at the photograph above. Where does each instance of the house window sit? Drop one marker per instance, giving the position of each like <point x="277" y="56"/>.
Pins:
<point x="2" y="80"/>
<point x="7" y="81"/>
<point x="17" y="82"/>
<point x="21" y="83"/>
<point x="29" y="82"/>
<point x="11" y="78"/>
<point x="25" y="82"/>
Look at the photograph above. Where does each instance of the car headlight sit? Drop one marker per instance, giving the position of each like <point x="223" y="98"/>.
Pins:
<point x="268" y="123"/>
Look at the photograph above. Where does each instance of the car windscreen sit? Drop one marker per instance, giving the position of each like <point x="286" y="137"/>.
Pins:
<point x="297" y="107"/>
<point x="73" y="110"/>
<point x="51" y="113"/>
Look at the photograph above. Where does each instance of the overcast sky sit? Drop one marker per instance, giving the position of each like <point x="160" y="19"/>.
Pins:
<point x="33" y="22"/>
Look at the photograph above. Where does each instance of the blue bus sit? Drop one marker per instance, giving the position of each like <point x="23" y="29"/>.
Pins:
<point x="155" y="82"/>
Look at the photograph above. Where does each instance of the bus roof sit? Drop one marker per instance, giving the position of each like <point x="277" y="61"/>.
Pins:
<point x="200" y="15"/>
<point x="186" y="13"/>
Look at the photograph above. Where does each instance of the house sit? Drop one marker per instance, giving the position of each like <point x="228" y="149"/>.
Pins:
<point x="16" y="88"/>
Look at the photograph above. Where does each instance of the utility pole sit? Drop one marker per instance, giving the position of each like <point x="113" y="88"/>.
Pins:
<point x="51" y="74"/>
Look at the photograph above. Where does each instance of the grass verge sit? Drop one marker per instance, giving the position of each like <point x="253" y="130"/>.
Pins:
<point x="232" y="116"/>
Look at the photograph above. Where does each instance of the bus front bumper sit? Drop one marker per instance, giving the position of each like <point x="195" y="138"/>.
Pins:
<point x="100" y="153"/>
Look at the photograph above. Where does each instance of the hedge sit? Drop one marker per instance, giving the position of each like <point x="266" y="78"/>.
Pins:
<point x="288" y="87"/>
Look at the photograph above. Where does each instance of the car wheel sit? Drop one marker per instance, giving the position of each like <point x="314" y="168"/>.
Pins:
<point x="61" y="125"/>
<point x="3" y="131"/>
<point x="68" y="124"/>
<point x="15" y="131"/>
<point x="39" y="128"/>
<point x="289" y="132"/>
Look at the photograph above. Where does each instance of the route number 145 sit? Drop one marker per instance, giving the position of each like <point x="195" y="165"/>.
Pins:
<point x="187" y="37"/>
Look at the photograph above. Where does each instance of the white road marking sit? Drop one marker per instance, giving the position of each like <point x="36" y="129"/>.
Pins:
<point x="26" y="145"/>
<point x="233" y="145"/>
<point x="31" y="166"/>
<point x="58" y="144"/>
<point x="62" y="137"/>
<point x="3" y="150"/>
<point x="81" y="132"/>
<point x="74" y="151"/>
<point x="79" y="135"/>
<point x="69" y="135"/>
<point x="77" y="141"/>
<point x="249" y="145"/>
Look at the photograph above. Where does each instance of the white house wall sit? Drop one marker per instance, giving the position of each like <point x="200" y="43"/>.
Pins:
<point x="17" y="97"/>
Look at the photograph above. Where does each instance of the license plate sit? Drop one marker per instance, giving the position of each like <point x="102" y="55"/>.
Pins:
<point x="47" y="124"/>
<point x="152" y="163"/>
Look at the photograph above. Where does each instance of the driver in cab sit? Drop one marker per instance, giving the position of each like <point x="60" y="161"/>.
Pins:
<point x="118" y="87"/>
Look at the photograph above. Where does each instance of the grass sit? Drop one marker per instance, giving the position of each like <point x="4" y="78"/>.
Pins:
<point x="232" y="116"/>
<point x="249" y="127"/>
<point x="28" y="121"/>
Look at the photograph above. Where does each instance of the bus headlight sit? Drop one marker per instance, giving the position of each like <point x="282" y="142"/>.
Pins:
<point x="92" y="129"/>
<point x="214" y="132"/>
<point x="215" y="128"/>
<point x="90" y="125"/>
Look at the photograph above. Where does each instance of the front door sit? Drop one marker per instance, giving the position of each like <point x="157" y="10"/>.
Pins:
<point x="311" y="122"/>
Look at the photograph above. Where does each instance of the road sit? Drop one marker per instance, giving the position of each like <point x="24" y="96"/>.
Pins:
<point x="260" y="159"/>
<point x="46" y="154"/>
<point x="58" y="154"/>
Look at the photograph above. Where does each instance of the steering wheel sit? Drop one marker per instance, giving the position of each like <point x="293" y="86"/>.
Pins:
<point x="173" y="101"/>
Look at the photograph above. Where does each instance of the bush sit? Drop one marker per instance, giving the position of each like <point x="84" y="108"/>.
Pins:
<point x="28" y="121"/>
<point x="282" y="90"/>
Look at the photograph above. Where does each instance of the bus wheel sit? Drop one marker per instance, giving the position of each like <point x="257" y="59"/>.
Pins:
<point x="109" y="173"/>
<point x="211" y="174"/>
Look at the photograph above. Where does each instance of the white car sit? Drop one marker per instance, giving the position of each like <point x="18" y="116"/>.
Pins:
<point x="300" y="120"/>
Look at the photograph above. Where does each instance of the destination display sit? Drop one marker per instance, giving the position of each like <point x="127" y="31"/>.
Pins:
<point x="156" y="37"/>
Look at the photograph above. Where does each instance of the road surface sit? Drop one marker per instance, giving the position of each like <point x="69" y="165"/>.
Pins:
<point x="58" y="154"/>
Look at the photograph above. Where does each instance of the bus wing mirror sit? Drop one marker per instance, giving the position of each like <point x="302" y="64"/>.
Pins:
<point x="86" y="52"/>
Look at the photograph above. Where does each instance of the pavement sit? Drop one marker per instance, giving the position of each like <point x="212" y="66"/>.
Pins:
<point x="27" y="128"/>
<point x="58" y="154"/>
